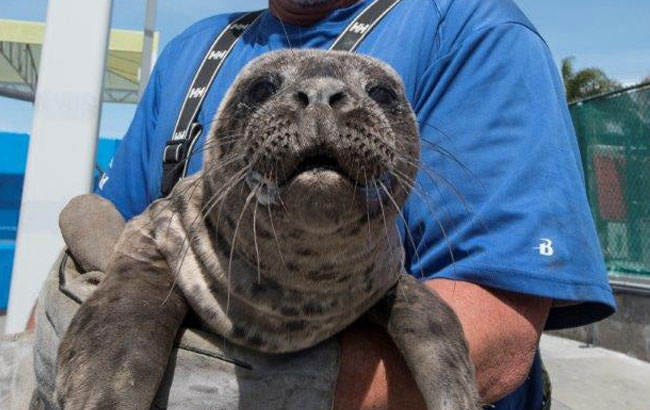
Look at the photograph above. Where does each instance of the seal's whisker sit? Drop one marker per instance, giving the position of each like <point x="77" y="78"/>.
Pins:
<point x="423" y="194"/>
<point x="200" y="217"/>
<point x="222" y="116"/>
<point x="286" y="34"/>
<point x="434" y="177"/>
<point x="356" y="185"/>
<point x="222" y="164"/>
<point x="275" y="177"/>
<point x="445" y="152"/>
<point x="193" y="191"/>
<point x="215" y="197"/>
<point x="233" y="244"/>
<point x="383" y="214"/>
<point x="236" y="179"/>
<point x="157" y="213"/>
<point x="192" y="186"/>
<point x="186" y="244"/>
<point x="369" y="242"/>
<point x="206" y="146"/>
<point x="201" y="146"/>
<point x="275" y="236"/>
<point x="442" y="230"/>
<point x="388" y="241"/>
<point x="406" y="225"/>
<point x="257" y="249"/>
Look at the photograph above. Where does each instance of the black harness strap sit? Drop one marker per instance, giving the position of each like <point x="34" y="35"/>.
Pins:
<point x="187" y="130"/>
<point x="359" y="28"/>
<point x="177" y="151"/>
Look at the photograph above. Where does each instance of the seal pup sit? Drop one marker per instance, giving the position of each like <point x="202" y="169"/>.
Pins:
<point x="285" y="238"/>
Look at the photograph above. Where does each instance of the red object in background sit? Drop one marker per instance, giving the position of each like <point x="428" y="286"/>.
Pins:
<point x="610" y="184"/>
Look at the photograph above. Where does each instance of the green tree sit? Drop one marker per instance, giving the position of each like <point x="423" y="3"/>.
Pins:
<point x="586" y="82"/>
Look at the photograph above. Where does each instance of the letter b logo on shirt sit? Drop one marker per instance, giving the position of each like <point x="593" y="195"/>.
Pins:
<point x="545" y="247"/>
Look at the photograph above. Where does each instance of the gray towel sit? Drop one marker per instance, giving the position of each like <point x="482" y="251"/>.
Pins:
<point x="16" y="375"/>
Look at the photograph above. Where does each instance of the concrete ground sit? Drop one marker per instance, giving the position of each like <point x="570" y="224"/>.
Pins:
<point x="592" y="378"/>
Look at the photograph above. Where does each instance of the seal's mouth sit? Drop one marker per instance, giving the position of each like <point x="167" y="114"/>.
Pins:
<point x="316" y="163"/>
<point x="268" y="191"/>
<point x="315" y="166"/>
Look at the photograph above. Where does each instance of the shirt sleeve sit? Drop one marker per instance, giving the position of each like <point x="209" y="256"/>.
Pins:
<point x="125" y="181"/>
<point x="500" y="199"/>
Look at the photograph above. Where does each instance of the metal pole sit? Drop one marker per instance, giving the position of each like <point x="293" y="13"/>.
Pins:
<point x="147" y="45"/>
<point x="63" y="142"/>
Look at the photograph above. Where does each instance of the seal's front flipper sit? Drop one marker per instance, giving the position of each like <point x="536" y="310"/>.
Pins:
<point x="114" y="354"/>
<point x="430" y="338"/>
<point x="91" y="226"/>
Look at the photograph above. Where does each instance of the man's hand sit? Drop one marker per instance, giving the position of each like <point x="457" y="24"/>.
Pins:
<point x="502" y="329"/>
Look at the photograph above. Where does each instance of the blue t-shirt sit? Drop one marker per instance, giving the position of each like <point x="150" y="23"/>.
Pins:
<point x="501" y="199"/>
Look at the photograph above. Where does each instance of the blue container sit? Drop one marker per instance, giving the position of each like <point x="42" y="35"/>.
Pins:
<point x="13" y="158"/>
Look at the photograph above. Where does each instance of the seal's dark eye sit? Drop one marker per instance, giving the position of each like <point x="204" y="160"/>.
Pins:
<point x="382" y="94"/>
<point x="262" y="90"/>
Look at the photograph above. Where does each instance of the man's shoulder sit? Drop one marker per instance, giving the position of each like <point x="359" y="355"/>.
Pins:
<point x="461" y="18"/>
<point x="486" y="11"/>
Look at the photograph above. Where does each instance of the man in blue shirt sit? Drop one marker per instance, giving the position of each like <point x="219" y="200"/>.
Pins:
<point x="501" y="226"/>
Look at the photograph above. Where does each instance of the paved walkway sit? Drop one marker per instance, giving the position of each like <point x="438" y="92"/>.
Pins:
<point x="592" y="378"/>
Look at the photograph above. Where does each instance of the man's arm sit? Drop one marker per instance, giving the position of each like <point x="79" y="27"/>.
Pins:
<point x="502" y="329"/>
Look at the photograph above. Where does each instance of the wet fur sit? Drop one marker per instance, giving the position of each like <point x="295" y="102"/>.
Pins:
<point x="280" y="265"/>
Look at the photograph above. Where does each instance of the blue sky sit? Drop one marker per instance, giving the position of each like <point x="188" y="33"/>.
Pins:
<point x="609" y="34"/>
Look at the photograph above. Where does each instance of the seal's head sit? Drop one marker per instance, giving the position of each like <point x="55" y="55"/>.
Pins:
<point x="321" y="138"/>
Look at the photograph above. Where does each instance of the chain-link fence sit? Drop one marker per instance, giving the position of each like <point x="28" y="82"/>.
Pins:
<point x="614" y="135"/>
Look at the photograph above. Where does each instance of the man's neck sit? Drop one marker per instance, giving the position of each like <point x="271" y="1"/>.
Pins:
<point x="291" y="12"/>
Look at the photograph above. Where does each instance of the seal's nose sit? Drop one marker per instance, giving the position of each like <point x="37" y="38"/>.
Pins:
<point x="322" y="91"/>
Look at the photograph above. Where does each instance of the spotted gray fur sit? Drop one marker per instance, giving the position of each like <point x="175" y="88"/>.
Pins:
<point x="285" y="238"/>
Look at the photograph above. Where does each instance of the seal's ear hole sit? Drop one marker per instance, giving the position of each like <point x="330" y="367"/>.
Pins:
<point x="382" y="94"/>
<point x="261" y="90"/>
